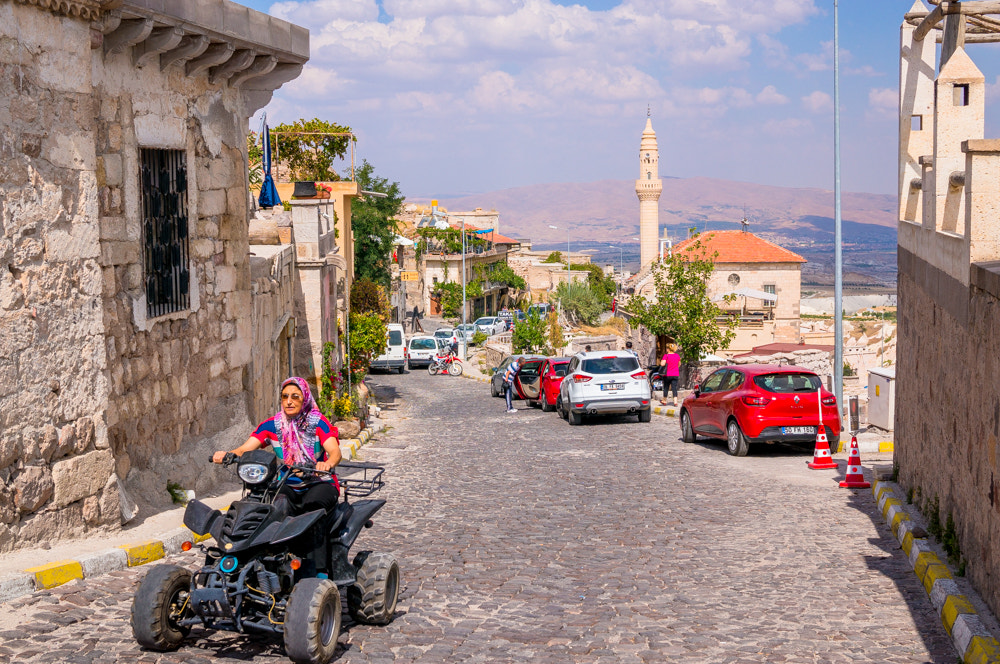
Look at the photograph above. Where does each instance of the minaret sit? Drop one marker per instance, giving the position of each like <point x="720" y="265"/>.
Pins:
<point x="648" y="188"/>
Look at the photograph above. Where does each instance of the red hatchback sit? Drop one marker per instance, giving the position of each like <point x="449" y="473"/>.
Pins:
<point x="760" y="403"/>
<point x="552" y="373"/>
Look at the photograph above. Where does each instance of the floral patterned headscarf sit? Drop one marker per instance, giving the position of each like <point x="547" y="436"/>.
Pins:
<point x="298" y="434"/>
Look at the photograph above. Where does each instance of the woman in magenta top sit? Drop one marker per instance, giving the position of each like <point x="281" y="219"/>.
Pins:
<point x="670" y="370"/>
<point x="299" y="435"/>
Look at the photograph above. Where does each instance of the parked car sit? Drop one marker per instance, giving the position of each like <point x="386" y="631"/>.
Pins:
<point x="491" y="325"/>
<point x="543" y="309"/>
<point x="423" y="348"/>
<point x="604" y="382"/>
<point x="394" y="356"/>
<point x="525" y="385"/>
<point x="466" y="331"/>
<point x="760" y="403"/>
<point x="552" y="372"/>
<point x="445" y="334"/>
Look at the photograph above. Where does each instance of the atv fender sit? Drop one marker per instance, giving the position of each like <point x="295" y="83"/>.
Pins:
<point x="363" y="510"/>
<point x="293" y="526"/>
<point x="202" y="519"/>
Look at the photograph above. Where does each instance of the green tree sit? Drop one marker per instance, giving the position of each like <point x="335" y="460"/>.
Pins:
<point x="370" y="297"/>
<point x="681" y="308"/>
<point x="554" y="257"/>
<point x="373" y="220"/>
<point x="529" y="335"/>
<point x="367" y="340"/>
<point x="309" y="148"/>
<point x="556" y="339"/>
<point x="580" y="303"/>
<point x="255" y="158"/>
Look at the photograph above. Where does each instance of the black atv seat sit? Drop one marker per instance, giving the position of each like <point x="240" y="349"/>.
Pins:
<point x="339" y="516"/>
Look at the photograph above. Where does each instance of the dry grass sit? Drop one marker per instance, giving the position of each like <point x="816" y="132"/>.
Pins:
<point x="616" y="326"/>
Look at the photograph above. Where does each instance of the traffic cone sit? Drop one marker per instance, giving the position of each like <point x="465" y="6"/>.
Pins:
<point x="821" y="455"/>
<point x="855" y="476"/>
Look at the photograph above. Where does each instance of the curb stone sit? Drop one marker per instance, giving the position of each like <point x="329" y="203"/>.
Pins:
<point x="972" y="641"/>
<point x="134" y="554"/>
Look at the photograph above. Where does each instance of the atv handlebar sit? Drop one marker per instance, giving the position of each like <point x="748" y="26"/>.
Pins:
<point x="227" y="460"/>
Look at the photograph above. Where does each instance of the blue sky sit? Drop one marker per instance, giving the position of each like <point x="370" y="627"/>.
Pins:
<point x="452" y="97"/>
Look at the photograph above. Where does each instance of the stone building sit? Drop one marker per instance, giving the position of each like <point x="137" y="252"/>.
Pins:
<point x="949" y="281"/>
<point x="126" y="289"/>
<point x="437" y="266"/>
<point x="764" y="280"/>
<point x="544" y="278"/>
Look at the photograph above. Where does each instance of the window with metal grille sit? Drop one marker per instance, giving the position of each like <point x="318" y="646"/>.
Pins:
<point x="163" y="177"/>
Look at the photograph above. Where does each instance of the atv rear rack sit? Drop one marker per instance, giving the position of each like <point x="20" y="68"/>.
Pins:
<point x="363" y="483"/>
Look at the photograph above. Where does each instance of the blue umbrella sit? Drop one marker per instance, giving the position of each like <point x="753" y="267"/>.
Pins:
<point x="268" y="192"/>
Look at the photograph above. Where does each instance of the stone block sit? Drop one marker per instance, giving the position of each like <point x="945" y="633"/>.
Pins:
<point x="84" y="434"/>
<point x="67" y="441"/>
<point x="239" y="304"/>
<point x="81" y="242"/>
<point x="225" y="279"/>
<point x="10" y="449"/>
<point x="11" y="291"/>
<point x="216" y="368"/>
<point x="33" y="487"/>
<point x="48" y="442"/>
<point x="79" y="477"/>
<point x="203" y="248"/>
<point x="114" y="228"/>
<point x="239" y="351"/>
<point x="212" y="203"/>
<point x="113" y="169"/>
<point x="119" y="253"/>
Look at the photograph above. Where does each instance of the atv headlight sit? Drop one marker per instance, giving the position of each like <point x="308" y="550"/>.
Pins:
<point x="252" y="473"/>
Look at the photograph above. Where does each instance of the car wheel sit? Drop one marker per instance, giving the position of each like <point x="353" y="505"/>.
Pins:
<point x="687" y="432"/>
<point x="736" y="441"/>
<point x="546" y="408"/>
<point x="646" y="415"/>
<point x="559" y="408"/>
<point x="574" y="417"/>
<point x="493" y="389"/>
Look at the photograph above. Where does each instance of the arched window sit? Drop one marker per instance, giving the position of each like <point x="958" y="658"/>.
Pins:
<point x="649" y="175"/>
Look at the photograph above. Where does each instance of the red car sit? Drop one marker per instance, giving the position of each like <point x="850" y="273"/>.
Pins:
<point x="760" y="403"/>
<point x="552" y="372"/>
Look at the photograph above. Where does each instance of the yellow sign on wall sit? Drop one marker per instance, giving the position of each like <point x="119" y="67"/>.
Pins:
<point x="408" y="275"/>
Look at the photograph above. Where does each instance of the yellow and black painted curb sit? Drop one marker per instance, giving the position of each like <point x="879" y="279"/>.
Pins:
<point x="975" y="645"/>
<point x="57" y="573"/>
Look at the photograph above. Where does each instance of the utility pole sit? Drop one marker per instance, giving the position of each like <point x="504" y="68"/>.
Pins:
<point x="463" y="344"/>
<point x="838" y="297"/>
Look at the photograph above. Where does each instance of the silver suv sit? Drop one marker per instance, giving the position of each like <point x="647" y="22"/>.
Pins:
<point x="604" y="383"/>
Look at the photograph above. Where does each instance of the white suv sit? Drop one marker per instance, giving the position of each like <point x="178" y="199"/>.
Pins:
<point x="604" y="383"/>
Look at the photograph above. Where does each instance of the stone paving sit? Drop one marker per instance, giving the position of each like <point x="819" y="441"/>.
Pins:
<point x="522" y="539"/>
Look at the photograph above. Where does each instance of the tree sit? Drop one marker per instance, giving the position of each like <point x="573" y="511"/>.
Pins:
<point x="556" y="339"/>
<point x="373" y="220"/>
<point x="529" y="334"/>
<point x="580" y="303"/>
<point x="309" y="148"/>
<point x="682" y="309"/>
<point x="369" y="297"/>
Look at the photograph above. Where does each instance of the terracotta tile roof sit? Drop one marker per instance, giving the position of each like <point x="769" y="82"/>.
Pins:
<point x="740" y="247"/>
<point x="496" y="238"/>
<point x="774" y="349"/>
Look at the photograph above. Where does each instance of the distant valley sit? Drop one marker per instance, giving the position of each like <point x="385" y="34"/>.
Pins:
<point x="605" y="213"/>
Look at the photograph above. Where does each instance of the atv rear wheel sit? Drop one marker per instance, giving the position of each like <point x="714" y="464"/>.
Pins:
<point x="312" y="621"/>
<point x="157" y="605"/>
<point x="371" y="599"/>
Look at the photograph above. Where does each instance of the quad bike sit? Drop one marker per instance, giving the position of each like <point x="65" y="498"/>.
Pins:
<point x="272" y="571"/>
<point x="443" y="364"/>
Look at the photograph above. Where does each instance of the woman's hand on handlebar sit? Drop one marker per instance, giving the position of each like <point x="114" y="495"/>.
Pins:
<point x="220" y="456"/>
<point x="325" y="466"/>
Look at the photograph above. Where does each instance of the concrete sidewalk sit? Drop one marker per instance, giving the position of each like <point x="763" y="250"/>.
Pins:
<point x="25" y="571"/>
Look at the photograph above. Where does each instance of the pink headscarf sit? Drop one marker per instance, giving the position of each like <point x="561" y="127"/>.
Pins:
<point x="298" y="434"/>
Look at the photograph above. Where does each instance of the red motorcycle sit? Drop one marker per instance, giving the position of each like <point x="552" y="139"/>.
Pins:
<point x="445" y="364"/>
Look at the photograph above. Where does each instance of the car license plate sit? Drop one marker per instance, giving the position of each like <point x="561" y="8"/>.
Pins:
<point x="612" y="386"/>
<point x="794" y="430"/>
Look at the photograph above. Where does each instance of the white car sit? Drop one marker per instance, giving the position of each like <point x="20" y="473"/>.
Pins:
<point x="466" y="331"/>
<point x="444" y="334"/>
<point x="423" y="348"/>
<point x="491" y="325"/>
<point x="604" y="382"/>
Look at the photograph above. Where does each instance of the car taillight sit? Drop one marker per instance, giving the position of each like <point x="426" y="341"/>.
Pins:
<point x="830" y="401"/>
<point x="578" y="378"/>
<point x="639" y="374"/>
<point x="756" y="401"/>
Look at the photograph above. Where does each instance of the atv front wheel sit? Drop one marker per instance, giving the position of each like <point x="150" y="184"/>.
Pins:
<point x="158" y="604"/>
<point x="371" y="599"/>
<point x="312" y="621"/>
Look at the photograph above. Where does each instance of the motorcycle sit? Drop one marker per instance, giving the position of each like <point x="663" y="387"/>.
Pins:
<point x="442" y="364"/>
<point x="272" y="571"/>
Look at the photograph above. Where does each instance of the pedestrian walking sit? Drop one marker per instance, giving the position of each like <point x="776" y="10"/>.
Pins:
<point x="670" y="371"/>
<point x="628" y="347"/>
<point x="508" y="383"/>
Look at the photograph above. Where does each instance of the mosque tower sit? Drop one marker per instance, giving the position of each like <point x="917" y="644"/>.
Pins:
<point x="648" y="188"/>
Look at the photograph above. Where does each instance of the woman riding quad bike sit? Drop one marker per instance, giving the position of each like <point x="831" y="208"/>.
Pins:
<point x="280" y="554"/>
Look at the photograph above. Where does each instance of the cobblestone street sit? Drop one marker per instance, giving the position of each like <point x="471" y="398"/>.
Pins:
<point x="523" y="539"/>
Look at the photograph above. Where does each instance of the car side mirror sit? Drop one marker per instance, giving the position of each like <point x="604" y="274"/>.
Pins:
<point x="697" y="391"/>
<point x="493" y="370"/>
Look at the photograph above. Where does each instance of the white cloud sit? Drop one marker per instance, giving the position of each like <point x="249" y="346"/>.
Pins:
<point x="770" y="95"/>
<point x="993" y="90"/>
<point x="883" y="102"/>
<point x="817" y="102"/>
<point x="787" y="127"/>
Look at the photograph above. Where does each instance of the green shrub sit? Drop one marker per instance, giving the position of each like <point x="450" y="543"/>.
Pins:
<point x="529" y="335"/>
<point x="479" y="338"/>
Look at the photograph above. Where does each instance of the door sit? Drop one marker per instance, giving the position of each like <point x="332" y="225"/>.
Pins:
<point x="719" y="404"/>
<point x="700" y="407"/>
<point x="529" y="379"/>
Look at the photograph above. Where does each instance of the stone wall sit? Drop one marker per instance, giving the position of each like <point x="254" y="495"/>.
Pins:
<point x="55" y="463"/>
<point x="273" y="288"/>
<point x="951" y="451"/>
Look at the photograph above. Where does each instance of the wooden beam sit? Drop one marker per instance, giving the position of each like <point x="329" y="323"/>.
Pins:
<point x="928" y="23"/>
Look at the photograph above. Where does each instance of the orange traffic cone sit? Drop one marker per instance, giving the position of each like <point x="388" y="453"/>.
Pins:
<point x="821" y="455"/>
<point x="855" y="476"/>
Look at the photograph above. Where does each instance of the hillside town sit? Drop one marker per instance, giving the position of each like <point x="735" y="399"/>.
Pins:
<point x="257" y="403"/>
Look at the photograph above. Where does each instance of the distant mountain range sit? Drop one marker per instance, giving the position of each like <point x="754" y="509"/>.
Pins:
<point x="599" y="214"/>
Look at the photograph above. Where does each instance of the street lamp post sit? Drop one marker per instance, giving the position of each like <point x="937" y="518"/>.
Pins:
<point x="463" y="345"/>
